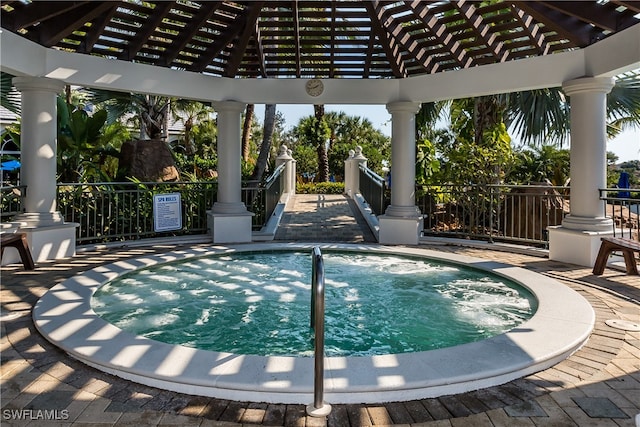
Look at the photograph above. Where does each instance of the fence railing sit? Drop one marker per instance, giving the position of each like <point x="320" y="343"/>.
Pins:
<point x="372" y="188"/>
<point x="624" y="210"/>
<point x="11" y="201"/>
<point x="115" y="211"/>
<point x="121" y="211"/>
<point x="510" y="213"/>
<point x="262" y="199"/>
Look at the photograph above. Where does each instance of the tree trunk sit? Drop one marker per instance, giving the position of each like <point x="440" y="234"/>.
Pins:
<point x="265" y="147"/>
<point x="246" y="131"/>
<point x="323" y="157"/>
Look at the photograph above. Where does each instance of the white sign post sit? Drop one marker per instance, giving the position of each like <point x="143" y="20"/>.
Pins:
<point x="167" y="212"/>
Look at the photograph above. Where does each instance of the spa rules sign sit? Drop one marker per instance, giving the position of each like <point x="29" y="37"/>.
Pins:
<point x="167" y="212"/>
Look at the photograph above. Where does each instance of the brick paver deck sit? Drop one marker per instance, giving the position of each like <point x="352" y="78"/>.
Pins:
<point x="599" y="385"/>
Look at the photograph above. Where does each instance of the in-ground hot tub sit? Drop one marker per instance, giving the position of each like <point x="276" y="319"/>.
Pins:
<point x="561" y="324"/>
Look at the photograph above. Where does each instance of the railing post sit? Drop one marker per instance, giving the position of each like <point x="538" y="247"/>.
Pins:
<point x="318" y="408"/>
<point x="352" y="171"/>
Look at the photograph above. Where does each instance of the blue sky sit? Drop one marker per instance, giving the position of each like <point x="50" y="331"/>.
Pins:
<point x="626" y="146"/>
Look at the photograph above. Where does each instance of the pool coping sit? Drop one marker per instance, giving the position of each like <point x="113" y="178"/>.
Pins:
<point x="561" y="325"/>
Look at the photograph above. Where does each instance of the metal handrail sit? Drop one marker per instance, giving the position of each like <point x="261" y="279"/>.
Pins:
<point x="319" y="408"/>
<point x="372" y="187"/>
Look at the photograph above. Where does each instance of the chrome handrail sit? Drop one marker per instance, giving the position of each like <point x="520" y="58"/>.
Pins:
<point x="319" y="408"/>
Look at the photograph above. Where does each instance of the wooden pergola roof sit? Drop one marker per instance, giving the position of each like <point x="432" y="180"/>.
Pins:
<point x="327" y="39"/>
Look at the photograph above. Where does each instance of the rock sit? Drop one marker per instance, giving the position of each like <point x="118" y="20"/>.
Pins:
<point x="148" y="160"/>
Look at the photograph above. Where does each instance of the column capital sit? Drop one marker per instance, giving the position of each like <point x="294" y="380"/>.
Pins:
<point x="403" y="106"/>
<point x="25" y="84"/>
<point x="230" y="106"/>
<point x="588" y="84"/>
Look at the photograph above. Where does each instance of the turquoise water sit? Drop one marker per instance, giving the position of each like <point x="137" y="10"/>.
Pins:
<point x="258" y="303"/>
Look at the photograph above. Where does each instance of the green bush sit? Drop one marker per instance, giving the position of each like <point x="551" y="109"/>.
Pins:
<point x="320" y="188"/>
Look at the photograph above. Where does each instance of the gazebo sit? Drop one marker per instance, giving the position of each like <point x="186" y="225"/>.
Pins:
<point x="394" y="53"/>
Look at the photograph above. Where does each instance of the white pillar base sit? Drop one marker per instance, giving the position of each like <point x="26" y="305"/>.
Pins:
<point x="230" y="228"/>
<point x="396" y="230"/>
<point x="46" y="243"/>
<point x="575" y="246"/>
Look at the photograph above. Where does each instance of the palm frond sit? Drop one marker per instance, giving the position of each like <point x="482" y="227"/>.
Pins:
<point x="9" y="96"/>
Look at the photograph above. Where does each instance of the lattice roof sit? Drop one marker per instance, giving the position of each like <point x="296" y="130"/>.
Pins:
<point x="328" y="39"/>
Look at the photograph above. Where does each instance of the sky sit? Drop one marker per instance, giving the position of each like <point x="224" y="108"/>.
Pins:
<point x="626" y="146"/>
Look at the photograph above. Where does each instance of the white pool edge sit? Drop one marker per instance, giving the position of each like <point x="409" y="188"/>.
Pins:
<point x="561" y="325"/>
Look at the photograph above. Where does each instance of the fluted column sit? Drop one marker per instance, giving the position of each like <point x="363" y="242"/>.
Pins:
<point x="402" y="221"/>
<point x="577" y="240"/>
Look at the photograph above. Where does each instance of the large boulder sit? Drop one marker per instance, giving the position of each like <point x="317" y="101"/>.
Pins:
<point x="148" y="160"/>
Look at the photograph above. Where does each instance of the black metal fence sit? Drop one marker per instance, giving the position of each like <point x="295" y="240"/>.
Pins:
<point x="373" y="190"/>
<point x="515" y="213"/>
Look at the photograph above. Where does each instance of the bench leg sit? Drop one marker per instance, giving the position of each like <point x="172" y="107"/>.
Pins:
<point x="23" y="249"/>
<point x="602" y="258"/>
<point x="630" y="262"/>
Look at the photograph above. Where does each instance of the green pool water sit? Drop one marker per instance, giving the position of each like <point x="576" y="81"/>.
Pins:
<point x="259" y="303"/>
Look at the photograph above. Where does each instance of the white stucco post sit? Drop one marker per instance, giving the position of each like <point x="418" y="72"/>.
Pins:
<point x="352" y="171"/>
<point x="289" y="173"/>
<point x="402" y="221"/>
<point x="577" y="240"/>
<point x="229" y="220"/>
<point x="48" y="235"/>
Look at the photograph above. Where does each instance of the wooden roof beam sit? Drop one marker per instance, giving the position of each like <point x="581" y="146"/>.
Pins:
<point x="592" y="13"/>
<point x="38" y="12"/>
<point x="410" y="45"/>
<point x="535" y="33"/>
<point x="55" y="30"/>
<point x="250" y="17"/>
<point x="296" y="31"/>
<point x="481" y="29"/>
<point x="389" y="45"/>
<point x="441" y="34"/>
<point x="566" y="26"/>
<point x="198" y="20"/>
<point x="161" y="10"/>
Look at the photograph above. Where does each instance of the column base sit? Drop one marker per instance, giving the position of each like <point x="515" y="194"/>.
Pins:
<point x="579" y="223"/>
<point x="40" y="219"/>
<point x="575" y="246"/>
<point x="399" y="230"/>
<point x="230" y="228"/>
<point x="46" y="243"/>
<point x="225" y="208"/>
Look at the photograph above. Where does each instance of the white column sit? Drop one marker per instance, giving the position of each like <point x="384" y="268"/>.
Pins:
<point x="38" y="148"/>
<point x="402" y="221"/>
<point x="48" y="235"/>
<point x="230" y="222"/>
<point x="577" y="240"/>
<point x="352" y="171"/>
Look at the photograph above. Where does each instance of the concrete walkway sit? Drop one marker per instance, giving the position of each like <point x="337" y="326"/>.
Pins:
<point x="323" y="218"/>
<point x="597" y="386"/>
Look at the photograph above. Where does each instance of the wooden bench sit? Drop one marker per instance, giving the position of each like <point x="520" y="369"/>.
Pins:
<point x="611" y="244"/>
<point x="18" y="241"/>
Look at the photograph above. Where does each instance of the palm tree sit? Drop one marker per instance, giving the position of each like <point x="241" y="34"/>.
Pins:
<point x="537" y="117"/>
<point x="246" y="130"/>
<point x="321" y="139"/>
<point x="265" y="146"/>
<point x="189" y="113"/>
<point x="150" y="111"/>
